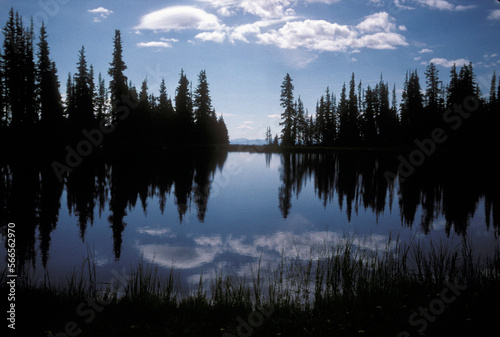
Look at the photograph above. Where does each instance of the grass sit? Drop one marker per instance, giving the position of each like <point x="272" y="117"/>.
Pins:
<point x="347" y="290"/>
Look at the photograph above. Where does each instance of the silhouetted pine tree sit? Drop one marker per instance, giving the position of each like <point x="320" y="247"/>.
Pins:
<point x="205" y="118"/>
<point x="369" y="128"/>
<point x="288" y="115"/>
<point x="184" y="112"/>
<point x="412" y="114"/>
<point x="386" y="118"/>
<point x="300" y="123"/>
<point x="19" y="74"/>
<point x="119" y="92"/>
<point x="82" y="115"/>
<point x="434" y="106"/>
<point x="49" y="98"/>
<point x="165" y="115"/>
<point x="353" y="115"/>
<point x="222" y="135"/>
<point x="343" y="113"/>
<point x="269" y="136"/>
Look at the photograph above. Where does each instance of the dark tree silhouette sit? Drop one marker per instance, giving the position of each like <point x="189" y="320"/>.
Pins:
<point x="81" y="115"/>
<point x="412" y="114"/>
<point x="288" y="115"/>
<point x="118" y="85"/>
<point x="51" y="111"/>
<point x="184" y="111"/>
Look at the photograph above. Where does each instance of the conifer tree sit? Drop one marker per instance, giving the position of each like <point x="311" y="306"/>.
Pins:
<point x="184" y="110"/>
<point x="288" y="115"/>
<point x="353" y="114"/>
<point x="50" y="106"/>
<point x="82" y="117"/>
<point x="118" y="85"/>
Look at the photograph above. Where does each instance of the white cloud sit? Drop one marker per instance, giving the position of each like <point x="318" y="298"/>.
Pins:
<point x="169" y="39"/>
<point x="433" y="4"/>
<point x="376" y="31"/>
<point x="494" y="15"/>
<point x="247" y="122"/>
<point x="425" y="50"/>
<point x="402" y="28"/>
<point x="179" y="17"/>
<point x="154" y="44"/>
<point x="217" y="36"/>
<point x="102" y="12"/>
<point x="240" y="32"/>
<point x="244" y="126"/>
<point x="449" y="63"/>
<point x="274" y="116"/>
<point x="399" y="4"/>
<point x="418" y="58"/>
<point x="262" y="8"/>
<point x="376" y="23"/>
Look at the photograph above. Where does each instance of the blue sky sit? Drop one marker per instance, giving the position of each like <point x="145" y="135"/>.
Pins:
<point x="248" y="46"/>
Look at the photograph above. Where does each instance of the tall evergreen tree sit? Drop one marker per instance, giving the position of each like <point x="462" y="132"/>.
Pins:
<point x="19" y="72"/>
<point x="184" y="111"/>
<point x="269" y="136"/>
<point x="49" y="97"/>
<point x="320" y="127"/>
<point x="330" y="130"/>
<point x="82" y="117"/>
<point x="118" y="85"/>
<point x="353" y="114"/>
<point x="205" y="119"/>
<point x="343" y="113"/>
<point x="412" y="116"/>
<point x="288" y="115"/>
<point x="369" y="129"/>
<point x="386" y="118"/>
<point x="300" y="123"/>
<point x="493" y="94"/>
<point x="222" y="135"/>
<point x="29" y="73"/>
<point x="433" y="109"/>
<point x="51" y="111"/>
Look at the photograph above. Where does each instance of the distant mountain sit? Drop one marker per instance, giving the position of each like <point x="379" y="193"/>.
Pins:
<point x="245" y="141"/>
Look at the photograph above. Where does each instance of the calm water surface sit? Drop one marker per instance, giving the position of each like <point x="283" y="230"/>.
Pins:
<point x="225" y="211"/>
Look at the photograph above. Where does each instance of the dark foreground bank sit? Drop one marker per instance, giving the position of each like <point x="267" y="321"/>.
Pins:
<point x="398" y="290"/>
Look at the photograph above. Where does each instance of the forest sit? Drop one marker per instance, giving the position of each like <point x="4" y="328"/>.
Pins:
<point x="32" y="111"/>
<point x="457" y="112"/>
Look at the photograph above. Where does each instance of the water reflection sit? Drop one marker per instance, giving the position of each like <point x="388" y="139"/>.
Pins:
<point x="446" y="185"/>
<point x="110" y="186"/>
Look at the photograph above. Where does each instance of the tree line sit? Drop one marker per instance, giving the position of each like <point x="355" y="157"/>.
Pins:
<point x="370" y="117"/>
<point x="33" y="111"/>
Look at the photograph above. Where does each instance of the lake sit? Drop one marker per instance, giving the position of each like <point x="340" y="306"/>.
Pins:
<point x="204" y="211"/>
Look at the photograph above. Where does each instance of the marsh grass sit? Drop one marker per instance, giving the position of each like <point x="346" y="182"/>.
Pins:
<point x="347" y="288"/>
